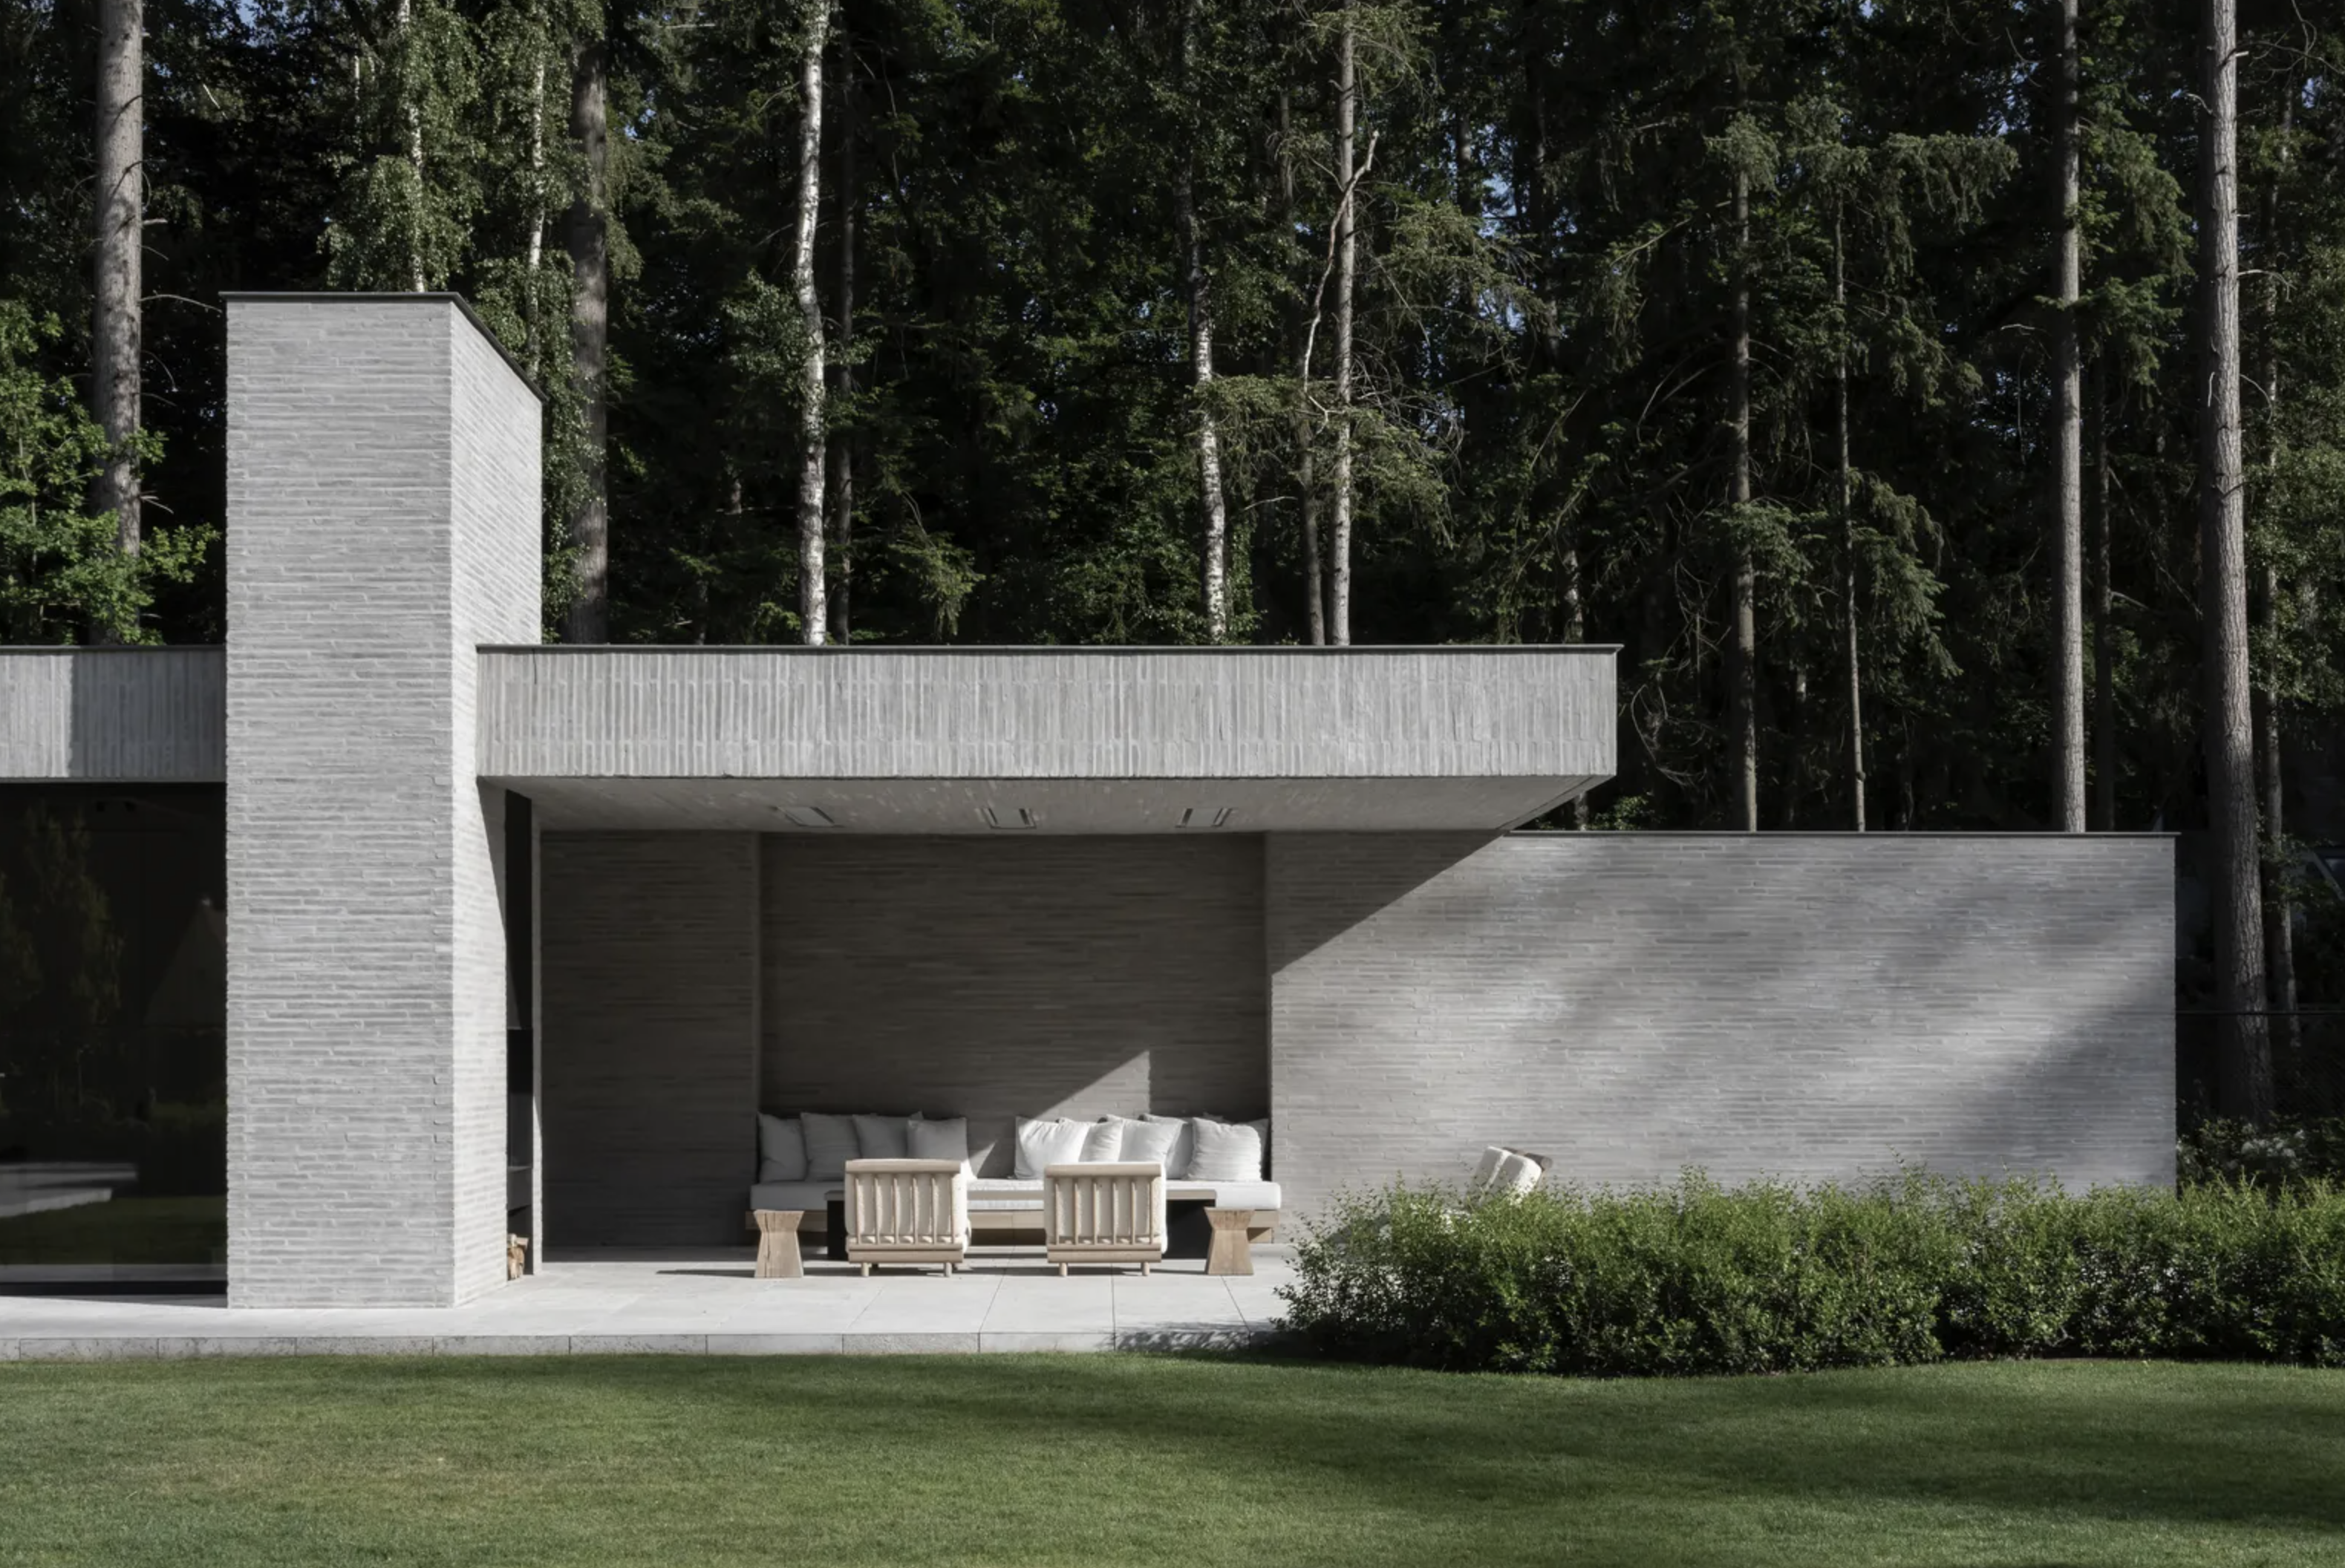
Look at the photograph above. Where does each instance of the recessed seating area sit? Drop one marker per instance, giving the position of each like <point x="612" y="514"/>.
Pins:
<point x="1118" y="1190"/>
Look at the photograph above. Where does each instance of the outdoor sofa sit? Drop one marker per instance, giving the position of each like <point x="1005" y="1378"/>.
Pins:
<point x="1208" y="1163"/>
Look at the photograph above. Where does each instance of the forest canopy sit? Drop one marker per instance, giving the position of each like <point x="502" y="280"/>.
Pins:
<point x="1735" y="333"/>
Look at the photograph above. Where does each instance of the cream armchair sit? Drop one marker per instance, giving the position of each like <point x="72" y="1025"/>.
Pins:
<point x="907" y="1211"/>
<point x="1105" y="1213"/>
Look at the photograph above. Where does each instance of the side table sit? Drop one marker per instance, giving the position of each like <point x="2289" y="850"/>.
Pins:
<point x="1231" y="1254"/>
<point x="777" y="1243"/>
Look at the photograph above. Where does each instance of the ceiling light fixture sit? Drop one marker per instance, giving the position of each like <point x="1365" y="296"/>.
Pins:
<point x="1207" y="816"/>
<point x="1020" y="818"/>
<point x="807" y="816"/>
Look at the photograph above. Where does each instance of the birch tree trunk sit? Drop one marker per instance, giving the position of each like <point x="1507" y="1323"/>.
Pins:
<point x="1216" y="560"/>
<point x="1743" y="663"/>
<point x="1339" y="541"/>
<point x="413" y="112"/>
<point x="589" y="620"/>
<point x="1847" y="502"/>
<point x="813" y="614"/>
<point x="115" y="336"/>
<point x="1307" y="487"/>
<point x="2244" y="1075"/>
<point x="842" y="443"/>
<point x="2105" y="691"/>
<point x="533" y="348"/>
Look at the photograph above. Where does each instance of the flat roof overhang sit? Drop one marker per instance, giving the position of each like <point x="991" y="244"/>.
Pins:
<point x="1048" y="740"/>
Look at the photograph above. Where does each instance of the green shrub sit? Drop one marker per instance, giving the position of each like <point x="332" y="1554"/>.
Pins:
<point x="1700" y="1278"/>
<point x="2291" y="1150"/>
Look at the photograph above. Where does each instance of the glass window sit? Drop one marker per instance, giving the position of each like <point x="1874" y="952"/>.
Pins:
<point x="112" y="1021"/>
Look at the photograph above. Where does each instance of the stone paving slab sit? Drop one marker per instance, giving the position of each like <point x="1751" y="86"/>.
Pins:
<point x="693" y="1305"/>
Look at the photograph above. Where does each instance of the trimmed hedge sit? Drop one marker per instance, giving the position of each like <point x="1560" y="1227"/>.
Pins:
<point x="1700" y="1278"/>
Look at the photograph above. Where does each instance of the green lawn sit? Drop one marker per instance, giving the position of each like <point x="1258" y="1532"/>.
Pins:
<point x="1098" y="1460"/>
<point x="121" y="1230"/>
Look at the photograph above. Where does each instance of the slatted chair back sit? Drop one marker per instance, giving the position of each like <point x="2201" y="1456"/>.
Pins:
<point x="1103" y="1213"/>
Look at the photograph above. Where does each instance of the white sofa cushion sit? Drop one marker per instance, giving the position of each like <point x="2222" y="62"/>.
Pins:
<point x="1226" y="1151"/>
<point x="1041" y="1143"/>
<point x="1257" y="1195"/>
<point x="1152" y="1139"/>
<point x="781" y="1148"/>
<point x="944" y="1138"/>
<point x="1002" y="1193"/>
<point x="884" y="1136"/>
<point x="1184" y="1144"/>
<point x="1103" y="1140"/>
<point x="830" y="1143"/>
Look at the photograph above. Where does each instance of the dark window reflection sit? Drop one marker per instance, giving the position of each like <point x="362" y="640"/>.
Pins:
<point x="113" y="1018"/>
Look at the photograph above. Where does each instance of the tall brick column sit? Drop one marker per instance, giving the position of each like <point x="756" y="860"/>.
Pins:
<point x="382" y="523"/>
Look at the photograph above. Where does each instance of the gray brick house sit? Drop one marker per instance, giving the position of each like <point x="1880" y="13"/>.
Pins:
<point x="525" y="934"/>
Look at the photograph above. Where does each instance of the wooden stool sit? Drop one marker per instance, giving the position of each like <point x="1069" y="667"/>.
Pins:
<point x="777" y="1242"/>
<point x="1232" y="1253"/>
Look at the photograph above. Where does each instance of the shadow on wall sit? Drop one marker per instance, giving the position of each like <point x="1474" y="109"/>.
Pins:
<point x="994" y="979"/>
<point x="1804" y="1006"/>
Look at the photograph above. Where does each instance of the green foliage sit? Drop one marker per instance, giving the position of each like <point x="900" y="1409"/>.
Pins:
<point x="1697" y="1279"/>
<point x="62" y="575"/>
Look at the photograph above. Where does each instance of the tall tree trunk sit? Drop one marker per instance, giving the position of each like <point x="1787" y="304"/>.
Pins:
<point x="120" y="214"/>
<point x="2245" y="1073"/>
<point x="1743" y="661"/>
<point x="1306" y="478"/>
<point x="814" y="613"/>
<point x="1339" y="541"/>
<point x="1215" y="562"/>
<point x="2105" y="691"/>
<point x="533" y="347"/>
<point x="1847" y="502"/>
<point x="413" y="114"/>
<point x="2069" y="416"/>
<point x="589" y="620"/>
<point x="842" y="442"/>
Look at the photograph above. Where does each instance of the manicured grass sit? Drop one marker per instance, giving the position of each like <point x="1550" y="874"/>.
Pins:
<point x="1104" y="1460"/>
<point x="121" y="1230"/>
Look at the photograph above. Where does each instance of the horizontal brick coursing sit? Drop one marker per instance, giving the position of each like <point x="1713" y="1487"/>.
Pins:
<point x="382" y="490"/>
<point x="1805" y="1006"/>
<point x="997" y="977"/>
<point x="648" y="1046"/>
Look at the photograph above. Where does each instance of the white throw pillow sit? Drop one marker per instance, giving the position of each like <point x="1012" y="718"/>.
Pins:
<point x="1152" y="1139"/>
<point x="1184" y="1144"/>
<point x="781" y="1148"/>
<point x="830" y="1145"/>
<point x="1226" y="1151"/>
<point x="883" y="1136"/>
<point x="944" y="1138"/>
<point x="1041" y="1144"/>
<point x="1103" y="1140"/>
<point x="1262" y="1129"/>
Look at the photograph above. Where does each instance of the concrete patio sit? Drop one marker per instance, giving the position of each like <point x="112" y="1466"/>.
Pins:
<point x="703" y="1303"/>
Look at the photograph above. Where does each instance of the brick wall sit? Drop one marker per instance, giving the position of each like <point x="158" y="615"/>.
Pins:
<point x="383" y="495"/>
<point x="999" y="977"/>
<point x="1808" y="1007"/>
<point x="647" y="1043"/>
